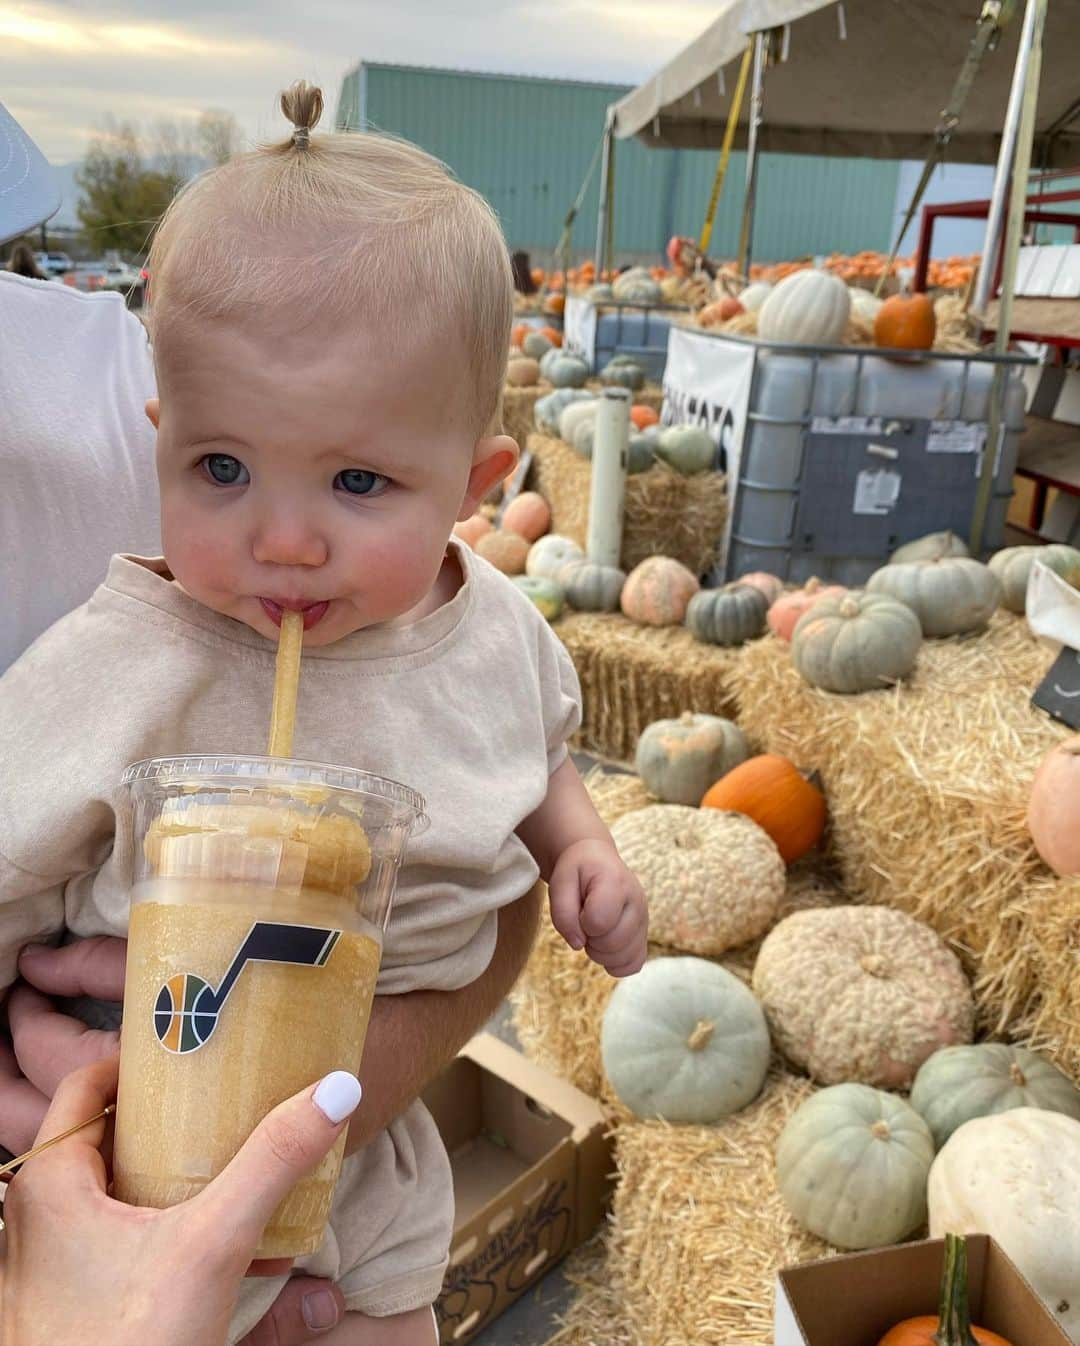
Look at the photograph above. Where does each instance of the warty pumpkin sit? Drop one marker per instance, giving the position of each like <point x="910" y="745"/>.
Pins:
<point x="851" y="1166"/>
<point x="858" y="642"/>
<point x="1053" y="815"/>
<point x="951" y="1325"/>
<point x="506" y="551"/>
<point x="684" y="1040"/>
<point x="786" y="610"/>
<point x="906" y="322"/>
<point x="862" y="994"/>
<point x="779" y="798"/>
<point x="950" y="597"/>
<point x="1013" y="567"/>
<point x="730" y="615"/>
<point x="528" y="514"/>
<point x="679" y="759"/>
<point x="1016" y="1177"/>
<point x="713" y="880"/>
<point x="657" y="592"/>
<point x="957" y="1084"/>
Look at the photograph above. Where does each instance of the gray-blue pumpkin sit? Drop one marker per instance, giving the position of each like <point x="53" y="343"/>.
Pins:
<point x="568" y="371"/>
<point x="591" y="587"/>
<point x="686" y="448"/>
<point x="623" y="373"/>
<point x="536" y="345"/>
<point x="640" y="449"/>
<point x="730" y="615"/>
<point x="548" y="358"/>
<point x="549" y="408"/>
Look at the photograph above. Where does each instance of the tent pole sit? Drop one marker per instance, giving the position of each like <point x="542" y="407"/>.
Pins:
<point x="746" y="234"/>
<point x="1030" y="56"/>
<point x="999" y="194"/>
<point x="602" y="228"/>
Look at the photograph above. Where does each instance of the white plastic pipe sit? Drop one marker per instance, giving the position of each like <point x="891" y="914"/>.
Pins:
<point x="611" y="436"/>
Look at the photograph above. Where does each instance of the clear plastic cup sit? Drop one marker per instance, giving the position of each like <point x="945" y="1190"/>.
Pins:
<point x="262" y="889"/>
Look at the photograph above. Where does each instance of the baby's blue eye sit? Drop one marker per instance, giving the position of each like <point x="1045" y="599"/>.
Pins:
<point x="357" y="481"/>
<point x="226" y="470"/>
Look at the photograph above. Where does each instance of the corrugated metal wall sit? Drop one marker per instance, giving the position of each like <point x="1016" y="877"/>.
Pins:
<point x="526" y="144"/>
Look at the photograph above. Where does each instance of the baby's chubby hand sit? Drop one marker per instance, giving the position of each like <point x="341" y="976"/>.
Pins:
<point x="598" y="905"/>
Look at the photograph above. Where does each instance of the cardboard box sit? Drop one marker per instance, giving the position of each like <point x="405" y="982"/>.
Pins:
<point x="855" y="1299"/>
<point x="532" y="1178"/>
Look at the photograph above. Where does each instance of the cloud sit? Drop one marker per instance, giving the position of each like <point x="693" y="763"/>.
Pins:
<point x="70" y="63"/>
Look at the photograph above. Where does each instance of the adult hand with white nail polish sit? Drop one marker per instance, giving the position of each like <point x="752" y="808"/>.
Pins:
<point x="80" y="1268"/>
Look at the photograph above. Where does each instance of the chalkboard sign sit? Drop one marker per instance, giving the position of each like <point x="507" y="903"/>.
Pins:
<point x="1059" y="692"/>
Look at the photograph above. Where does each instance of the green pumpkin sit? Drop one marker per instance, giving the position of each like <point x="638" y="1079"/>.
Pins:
<point x="686" y="448"/>
<point x="537" y="345"/>
<point x="957" y="1084"/>
<point x="640" y="448"/>
<point x="852" y="1164"/>
<point x="678" y="760"/>
<point x="623" y="374"/>
<point x="951" y="597"/>
<point x="546" y="595"/>
<point x="856" y="642"/>
<point x="1013" y="566"/>
<point x="568" y="371"/>
<point x="550" y="407"/>
<point x="591" y="587"/>
<point x="730" y="615"/>
<point x="684" y="1040"/>
<point x="547" y="360"/>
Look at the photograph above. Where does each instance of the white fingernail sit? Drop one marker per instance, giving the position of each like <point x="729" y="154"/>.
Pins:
<point x="337" y="1095"/>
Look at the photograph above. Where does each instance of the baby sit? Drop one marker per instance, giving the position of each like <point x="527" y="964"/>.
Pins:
<point x="331" y="317"/>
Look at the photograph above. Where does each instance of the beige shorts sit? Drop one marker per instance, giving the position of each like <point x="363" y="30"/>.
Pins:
<point x="390" y="1225"/>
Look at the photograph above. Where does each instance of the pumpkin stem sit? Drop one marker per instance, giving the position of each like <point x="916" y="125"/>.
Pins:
<point x="849" y="608"/>
<point x="954" y="1317"/>
<point x="874" y="965"/>
<point x="880" y="1130"/>
<point x="687" y="717"/>
<point x="1017" y="1075"/>
<point x="701" y="1034"/>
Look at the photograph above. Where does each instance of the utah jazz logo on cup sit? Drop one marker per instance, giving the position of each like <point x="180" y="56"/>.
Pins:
<point x="188" y="1007"/>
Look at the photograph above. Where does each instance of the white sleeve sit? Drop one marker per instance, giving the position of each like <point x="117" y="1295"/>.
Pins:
<point x="560" y="699"/>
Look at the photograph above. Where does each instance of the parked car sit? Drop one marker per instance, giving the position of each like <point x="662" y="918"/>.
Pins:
<point x="53" y="263"/>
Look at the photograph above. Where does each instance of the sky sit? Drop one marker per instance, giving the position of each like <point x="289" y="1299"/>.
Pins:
<point x="64" y="67"/>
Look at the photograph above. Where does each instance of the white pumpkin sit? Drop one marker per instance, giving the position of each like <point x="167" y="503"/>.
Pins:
<point x="577" y="413"/>
<point x="755" y="295"/>
<point x="808" y="307"/>
<point x="864" y="304"/>
<point x="851" y="1165"/>
<point x="930" y="547"/>
<point x="684" y="1040"/>
<point x="857" y="993"/>
<point x="549" y="554"/>
<point x="1016" y="1177"/>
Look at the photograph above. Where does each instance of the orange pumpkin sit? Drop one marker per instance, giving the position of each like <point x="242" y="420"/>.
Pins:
<point x="643" y="416"/>
<point x="523" y="372"/>
<point x="788" y="608"/>
<point x="518" y="334"/>
<point x="555" y="337"/>
<point x="1053" y="817"/>
<point x="778" y="797"/>
<point x="537" y="274"/>
<point x="951" y="1325"/>
<point x="555" y="303"/>
<point x="906" y="322"/>
<point x="471" y="530"/>
<point x="722" y="310"/>
<point x="506" y="551"/>
<point x="528" y="514"/>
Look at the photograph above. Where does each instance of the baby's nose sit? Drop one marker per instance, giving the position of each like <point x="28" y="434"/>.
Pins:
<point x="289" y="541"/>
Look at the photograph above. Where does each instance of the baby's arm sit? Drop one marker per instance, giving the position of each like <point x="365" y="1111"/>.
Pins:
<point x="596" y="902"/>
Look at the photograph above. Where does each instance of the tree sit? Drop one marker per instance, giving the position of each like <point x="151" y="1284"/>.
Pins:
<point x="122" y="200"/>
<point x="218" y="135"/>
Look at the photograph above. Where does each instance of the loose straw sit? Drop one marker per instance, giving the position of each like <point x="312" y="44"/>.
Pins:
<point x="286" y="685"/>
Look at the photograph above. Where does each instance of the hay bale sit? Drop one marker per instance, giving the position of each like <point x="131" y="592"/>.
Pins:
<point x="519" y="404"/>
<point x="631" y="675"/>
<point x="665" y="514"/>
<point x="928" y="786"/>
<point x="559" y="1000"/>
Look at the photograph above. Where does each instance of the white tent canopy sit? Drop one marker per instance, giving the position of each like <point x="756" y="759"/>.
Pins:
<point x="863" y="77"/>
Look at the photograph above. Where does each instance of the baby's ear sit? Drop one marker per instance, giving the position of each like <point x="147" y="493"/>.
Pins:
<point x="494" y="458"/>
<point x="153" y="411"/>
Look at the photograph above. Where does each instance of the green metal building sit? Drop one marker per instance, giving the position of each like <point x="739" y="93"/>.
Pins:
<point x="527" y="144"/>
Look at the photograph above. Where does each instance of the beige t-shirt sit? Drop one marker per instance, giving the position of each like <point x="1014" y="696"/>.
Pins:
<point x="471" y="705"/>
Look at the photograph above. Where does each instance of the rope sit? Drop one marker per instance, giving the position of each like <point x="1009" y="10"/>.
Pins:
<point x="725" y="150"/>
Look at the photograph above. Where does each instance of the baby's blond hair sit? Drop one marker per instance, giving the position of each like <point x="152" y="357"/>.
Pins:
<point x="361" y="224"/>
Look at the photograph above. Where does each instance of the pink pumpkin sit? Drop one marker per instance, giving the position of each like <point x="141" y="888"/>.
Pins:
<point x="772" y="586"/>
<point x="471" y="530"/>
<point x="528" y="514"/>
<point x="788" y="608"/>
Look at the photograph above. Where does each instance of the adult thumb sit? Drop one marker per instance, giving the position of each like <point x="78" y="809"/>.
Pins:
<point x="283" y="1148"/>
